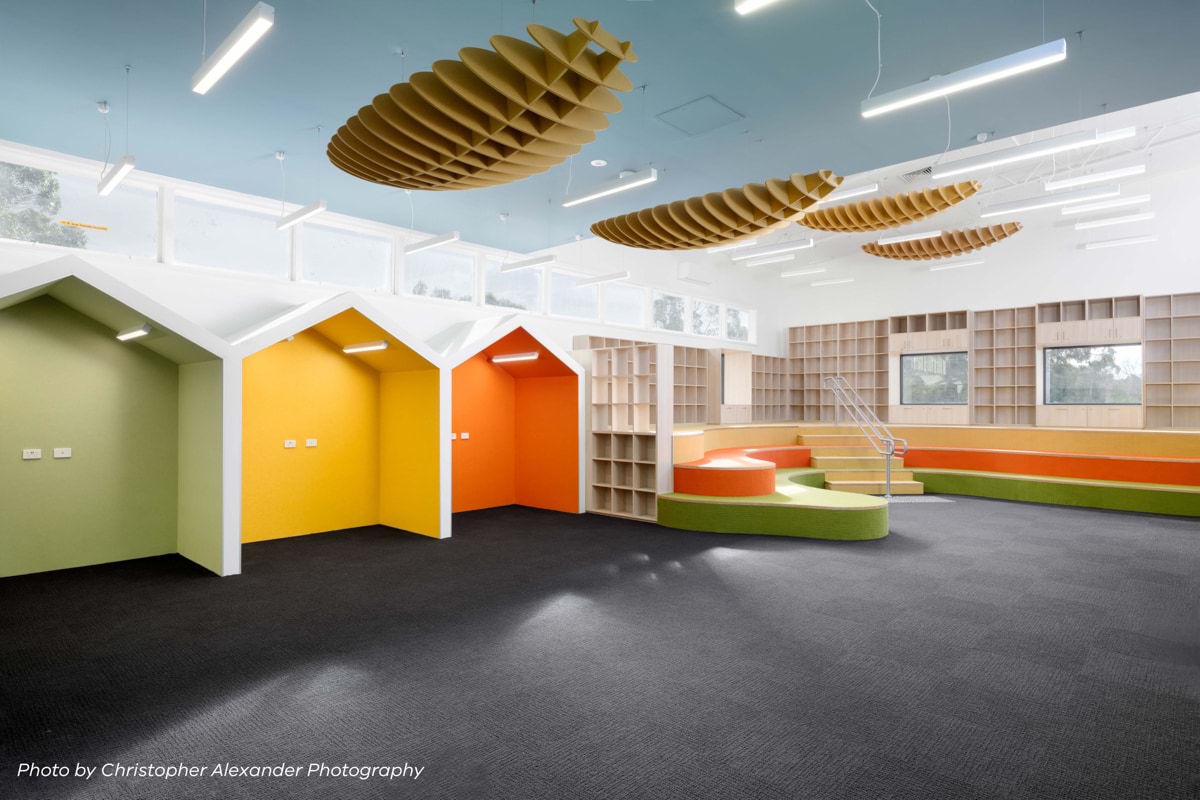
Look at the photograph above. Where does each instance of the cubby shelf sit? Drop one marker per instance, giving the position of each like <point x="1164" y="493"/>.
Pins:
<point x="1004" y="367"/>
<point x="629" y="430"/>
<point x="858" y="351"/>
<point x="691" y="385"/>
<point x="769" y="384"/>
<point x="1172" y="361"/>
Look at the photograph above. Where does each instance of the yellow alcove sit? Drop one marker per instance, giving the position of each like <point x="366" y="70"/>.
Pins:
<point x="364" y="427"/>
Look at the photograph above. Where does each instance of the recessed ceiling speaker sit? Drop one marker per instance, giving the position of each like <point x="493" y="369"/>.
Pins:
<point x="880" y="213"/>
<point x="720" y="218"/>
<point x="492" y="117"/>
<point x="949" y="244"/>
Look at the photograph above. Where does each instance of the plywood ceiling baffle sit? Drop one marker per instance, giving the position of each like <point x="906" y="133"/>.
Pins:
<point x="491" y="118"/>
<point x="880" y="213"/>
<point x="948" y="245"/>
<point x="719" y="217"/>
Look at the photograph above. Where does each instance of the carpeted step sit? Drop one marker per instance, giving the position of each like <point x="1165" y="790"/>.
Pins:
<point x="875" y="487"/>
<point x="833" y="440"/>
<point x="853" y="462"/>
<point x="870" y="475"/>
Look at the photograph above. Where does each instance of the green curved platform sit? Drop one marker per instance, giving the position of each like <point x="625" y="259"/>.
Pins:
<point x="798" y="507"/>
<point x="1149" y="498"/>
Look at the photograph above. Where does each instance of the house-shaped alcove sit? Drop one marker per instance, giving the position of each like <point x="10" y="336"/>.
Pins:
<point x="344" y="425"/>
<point x="517" y="417"/>
<point x="115" y="440"/>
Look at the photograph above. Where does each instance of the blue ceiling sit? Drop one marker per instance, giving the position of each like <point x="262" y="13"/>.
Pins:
<point x="796" y="72"/>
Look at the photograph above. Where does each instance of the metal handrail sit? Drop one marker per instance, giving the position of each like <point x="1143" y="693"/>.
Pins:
<point x="885" y="444"/>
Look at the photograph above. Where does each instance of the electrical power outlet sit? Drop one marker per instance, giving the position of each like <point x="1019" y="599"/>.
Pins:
<point x="465" y="435"/>
<point x="310" y="442"/>
<point x="289" y="443"/>
<point x="62" y="452"/>
<point x="453" y="436"/>
<point x="31" y="454"/>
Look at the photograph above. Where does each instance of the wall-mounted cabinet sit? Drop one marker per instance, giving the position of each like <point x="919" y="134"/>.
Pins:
<point x="929" y="415"/>
<point x="1085" y="322"/>
<point x="1089" y="416"/>
<point x="928" y="332"/>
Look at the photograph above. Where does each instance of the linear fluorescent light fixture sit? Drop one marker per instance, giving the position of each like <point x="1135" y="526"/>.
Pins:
<point x="775" y="249"/>
<point x="1107" y="221"/>
<point x="612" y="187"/>
<point x="134" y="333"/>
<point x="762" y="262"/>
<point x="310" y="210"/>
<point x="734" y="246"/>
<point x="430" y="243"/>
<point x="1032" y="150"/>
<point x="365" y="347"/>
<point x="745" y="7"/>
<point x="609" y="278"/>
<point x="800" y="272"/>
<point x="987" y="72"/>
<point x="511" y="357"/>
<point x="1104" y="205"/>
<point x="908" y="237"/>
<point x="116" y="173"/>
<point x="1050" y="201"/>
<point x="529" y="263"/>
<point x="846" y="194"/>
<point x="974" y="262"/>
<point x="1094" y="177"/>
<point x="833" y="282"/>
<point x="1120" y="242"/>
<point x="249" y="30"/>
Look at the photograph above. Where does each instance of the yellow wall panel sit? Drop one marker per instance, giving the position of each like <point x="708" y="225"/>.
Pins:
<point x="309" y="389"/>
<point x="409" y="451"/>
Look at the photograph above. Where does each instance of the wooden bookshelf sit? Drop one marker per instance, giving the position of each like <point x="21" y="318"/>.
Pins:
<point x="769" y="384"/>
<point x="583" y="342"/>
<point x="858" y="351"/>
<point x="1004" y="367"/>
<point x="1101" y="320"/>
<point x="691" y="385"/>
<point x="629" y="429"/>
<point x="1171" y="378"/>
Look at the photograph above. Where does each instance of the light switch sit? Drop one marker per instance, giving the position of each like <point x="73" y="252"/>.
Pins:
<point x="310" y="442"/>
<point x="453" y="436"/>
<point x="62" y="452"/>
<point x="466" y="435"/>
<point x="31" y="454"/>
<point x="289" y="443"/>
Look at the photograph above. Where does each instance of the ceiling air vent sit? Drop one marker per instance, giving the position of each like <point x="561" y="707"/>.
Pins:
<point x="916" y="176"/>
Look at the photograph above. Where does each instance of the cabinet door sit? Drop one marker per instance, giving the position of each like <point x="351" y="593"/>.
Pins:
<point x="1049" y="333"/>
<point x="1114" y="416"/>
<point x="1062" y="416"/>
<point x="1100" y="330"/>
<point x="1127" y="329"/>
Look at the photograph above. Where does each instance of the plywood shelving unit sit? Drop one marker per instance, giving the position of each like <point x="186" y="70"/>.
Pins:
<point x="858" y="351"/>
<point x="771" y="400"/>
<point x="1172" y="361"/>
<point x="1004" y="367"/>
<point x="691" y="385"/>
<point x="627" y="457"/>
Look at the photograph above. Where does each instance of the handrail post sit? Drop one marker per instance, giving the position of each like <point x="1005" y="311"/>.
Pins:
<point x="890" y="445"/>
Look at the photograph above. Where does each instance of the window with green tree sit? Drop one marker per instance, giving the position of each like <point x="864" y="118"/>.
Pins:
<point x="933" y="379"/>
<point x="1101" y="375"/>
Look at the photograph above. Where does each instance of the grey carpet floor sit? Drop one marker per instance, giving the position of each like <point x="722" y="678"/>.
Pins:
<point x="983" y="650"/>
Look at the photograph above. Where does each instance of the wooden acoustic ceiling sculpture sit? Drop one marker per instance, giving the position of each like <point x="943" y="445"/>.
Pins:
<point x="719" y="217"/>
<point x="948" y="245"/>
<point x="491" y="118"/>
<point x="879" y="213"/>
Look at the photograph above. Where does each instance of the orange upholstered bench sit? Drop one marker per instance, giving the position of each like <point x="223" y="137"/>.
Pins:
<point x="738" y="471"/>
<point x="1133" y="469"/>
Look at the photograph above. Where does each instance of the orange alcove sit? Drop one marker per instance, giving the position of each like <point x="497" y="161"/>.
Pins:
<point x="521" y="421"/>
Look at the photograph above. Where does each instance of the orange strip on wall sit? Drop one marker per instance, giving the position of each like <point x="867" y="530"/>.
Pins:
<point x="1060" y="465"/>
